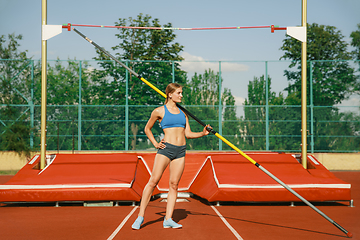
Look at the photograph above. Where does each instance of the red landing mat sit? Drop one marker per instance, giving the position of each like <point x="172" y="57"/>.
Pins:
<point x="215" y="176"/>
<point x="230" y="177"/>
<point x="79" y="177"/>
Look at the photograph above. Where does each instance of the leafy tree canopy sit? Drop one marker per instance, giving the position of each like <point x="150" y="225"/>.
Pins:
<point x="138" y="45"/>
<point x="14" y="84"/>
<point x="142" y="48"/>
<point x="333" y="81"/>
<point x="146" y="44"/>
<point x="355" y="42"/>
<point x="323" y="43"/>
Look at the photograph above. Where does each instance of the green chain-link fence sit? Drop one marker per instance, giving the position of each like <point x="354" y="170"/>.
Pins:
<point x="90" y="109"/>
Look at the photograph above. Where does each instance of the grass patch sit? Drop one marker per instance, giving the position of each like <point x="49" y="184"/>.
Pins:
<point x="8" y="172"/>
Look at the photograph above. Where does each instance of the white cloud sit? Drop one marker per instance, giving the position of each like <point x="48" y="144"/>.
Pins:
<point x="199" y="64"/>
<point x="352" y="101"/>
<point x="239" y="101"/>
<point x="350" y="105"/>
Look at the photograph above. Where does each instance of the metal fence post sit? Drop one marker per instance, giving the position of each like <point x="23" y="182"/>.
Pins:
<point x="127" y="109"/>
<point x="32" y="107"/>
<point x="312" y="144"/>
<point x="173" y="72"/>
<point x="79" y="108"/>
<point x="267" y="106"/>
<point x="220" y="109"/>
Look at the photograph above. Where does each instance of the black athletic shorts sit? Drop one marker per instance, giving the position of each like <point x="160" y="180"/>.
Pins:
<point x="172" y="151"/>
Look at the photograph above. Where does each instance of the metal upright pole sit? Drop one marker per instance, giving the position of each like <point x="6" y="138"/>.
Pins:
<point x="43" y="86"/>
<point x="303" y="90"/>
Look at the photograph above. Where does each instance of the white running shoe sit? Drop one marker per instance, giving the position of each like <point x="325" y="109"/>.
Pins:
<point x="171" y="224"/>
<point x="136" y="225"/>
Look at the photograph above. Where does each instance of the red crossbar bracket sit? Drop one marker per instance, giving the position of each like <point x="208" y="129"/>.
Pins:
<point x="274" y="27"/>
<point x="68" y="26"/>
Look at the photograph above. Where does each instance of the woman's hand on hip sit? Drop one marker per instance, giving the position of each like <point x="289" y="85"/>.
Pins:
<point x="161" y="144"/>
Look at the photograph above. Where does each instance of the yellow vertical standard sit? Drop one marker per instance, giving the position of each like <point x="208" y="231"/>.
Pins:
<point x="303" y="89"/>
<point x="43" y="85"/>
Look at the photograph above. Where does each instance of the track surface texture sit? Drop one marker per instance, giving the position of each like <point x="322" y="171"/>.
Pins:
<point x="200" y="220"/>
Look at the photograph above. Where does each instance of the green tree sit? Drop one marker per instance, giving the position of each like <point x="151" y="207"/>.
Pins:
<point x="15" y="82"/>
<point x="254" y="115"/>
<point x="63" y="101"/>
<point x="150" y="53"/>
<point x="333" y="79"/>
<point x="201" y="97"/>
<point x="254" y="121"/>
<point x="355" y="42"/>
<point x="230" y="124"/>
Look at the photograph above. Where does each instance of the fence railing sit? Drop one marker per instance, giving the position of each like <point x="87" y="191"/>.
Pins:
<point x="265" y="127"/>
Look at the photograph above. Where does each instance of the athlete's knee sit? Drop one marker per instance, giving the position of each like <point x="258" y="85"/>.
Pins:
<point x="152" y="183"/>
<point x="173" y="185"/>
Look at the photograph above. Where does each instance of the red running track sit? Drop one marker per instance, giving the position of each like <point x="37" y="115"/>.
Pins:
<point x="199" y="220"/>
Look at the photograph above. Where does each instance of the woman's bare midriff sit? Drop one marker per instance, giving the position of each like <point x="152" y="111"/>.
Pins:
<point x="175" y="136"/>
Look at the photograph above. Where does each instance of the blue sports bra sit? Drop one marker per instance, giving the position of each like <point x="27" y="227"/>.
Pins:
<point x="173" y="120"/>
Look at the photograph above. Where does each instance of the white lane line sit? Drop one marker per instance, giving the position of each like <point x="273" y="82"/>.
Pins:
<point x="122" y="224"/>
<point x="237" y="235"/>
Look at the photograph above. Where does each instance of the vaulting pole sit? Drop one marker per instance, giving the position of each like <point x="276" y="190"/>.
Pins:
<point x="218" y="135"/>
<point x="43" y="85"/>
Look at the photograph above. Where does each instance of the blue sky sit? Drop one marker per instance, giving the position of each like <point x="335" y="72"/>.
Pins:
<point x="24" y="17"/>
